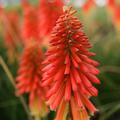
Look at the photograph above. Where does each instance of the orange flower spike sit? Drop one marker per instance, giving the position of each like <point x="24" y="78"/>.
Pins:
<point x="70" y="77"/>
<point x="88" y="6"/>
<point x="49" y="12"/>
<point x="29" y="77"/>
<point x="116" y="17"/>
<point x="111" y="5"/>
<point x="30" y="28"/>
<point x="11" y="32"/>
<point x="13" y="21"/>
<point x="1" y="9"/>
<point x="25" y="3"/>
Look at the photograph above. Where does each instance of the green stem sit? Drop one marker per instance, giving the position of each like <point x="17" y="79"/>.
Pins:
<point x="8" y="73"/>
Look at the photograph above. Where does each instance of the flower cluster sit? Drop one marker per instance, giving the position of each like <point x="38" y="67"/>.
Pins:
<point x="52" y="10"/>
<point x="13" y="19"/>
<point x="11" y="32"/>
<point x="30" y="27"/>
<point x="116" y="17"/>
<point x="29" y="76"/>
<point x="69" y="71"/>
<point x="114" y="11"/>
<point x="111" y="4"/>
<point x="88" y="6"/>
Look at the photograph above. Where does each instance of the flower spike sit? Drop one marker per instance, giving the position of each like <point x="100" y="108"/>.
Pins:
<point x="30" y="26"/>
<point x="68" y="69"/>
<point x="29" y="78"/>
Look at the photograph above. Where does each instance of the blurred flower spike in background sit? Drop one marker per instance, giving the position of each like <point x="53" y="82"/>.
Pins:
<point x="29" y="78"/>
<point x="52" y="10"/>
<point x="30" y="25"/>
<point x="116" y="17"/>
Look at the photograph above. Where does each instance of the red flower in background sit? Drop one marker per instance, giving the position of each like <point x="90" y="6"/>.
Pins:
<point x="25" y="3"/>
<point x="69" y="72"/>
<point x="116" y="17"/>
<point x="29" y="78"/>
<point x="1" y="9"/>
<point x="111" y="4"/>
<point x="49" y="11"/>
<point x="13" y="18"/>
<point x="88" y="6"/>
<point x="30" y="28"/>
<point x="11" y="32"/>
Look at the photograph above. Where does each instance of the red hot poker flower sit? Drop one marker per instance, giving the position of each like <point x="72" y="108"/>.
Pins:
<point x="11" y="32"/>
<point x="49" y="12"/>
<point x="13" y="22"/>
<point x="25" y="3"/>
<point x="116" y="17"/>
<point x="88" y="6"/>
<point x="29" y="77"/>
<point x="69" y="72"/>
<point x="111" y="4"/>
<point x="30" y="29"/>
